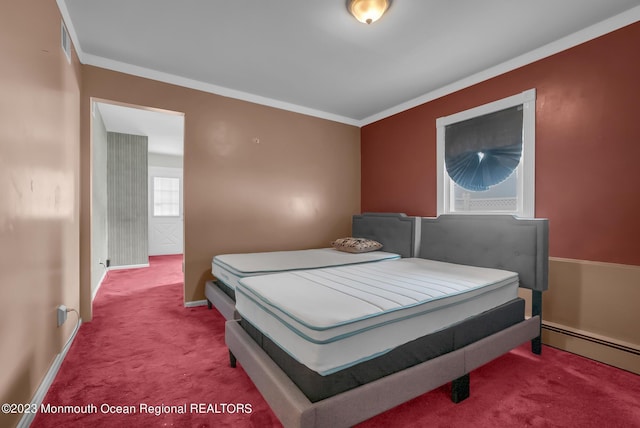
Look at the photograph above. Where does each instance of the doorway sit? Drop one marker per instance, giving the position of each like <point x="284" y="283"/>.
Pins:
<point x="142" y="214"/>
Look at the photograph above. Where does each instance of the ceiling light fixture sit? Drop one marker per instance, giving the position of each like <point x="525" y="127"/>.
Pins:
<point x="368" y="11"/>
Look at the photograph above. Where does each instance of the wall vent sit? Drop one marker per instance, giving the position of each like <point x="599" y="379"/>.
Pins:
<point x="66" y="41"/>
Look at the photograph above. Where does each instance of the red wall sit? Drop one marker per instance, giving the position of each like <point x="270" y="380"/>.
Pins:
<point x="587" y="147"/>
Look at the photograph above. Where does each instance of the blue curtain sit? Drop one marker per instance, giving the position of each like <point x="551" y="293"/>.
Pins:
<point x="484" y="151"/>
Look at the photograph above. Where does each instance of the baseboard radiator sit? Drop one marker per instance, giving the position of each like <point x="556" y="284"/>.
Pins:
<point x="600" y="348"/>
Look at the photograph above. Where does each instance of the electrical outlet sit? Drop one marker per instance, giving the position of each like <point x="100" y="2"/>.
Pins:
<point x="62" y="314"/>
<point x="108" y="262"/>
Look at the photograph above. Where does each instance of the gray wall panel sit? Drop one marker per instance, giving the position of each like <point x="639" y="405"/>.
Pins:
<point x="127" y="196"/>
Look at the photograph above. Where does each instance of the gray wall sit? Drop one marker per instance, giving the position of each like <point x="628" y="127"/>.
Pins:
<point x="128" y="235"/>
<point x="99" y="247"/>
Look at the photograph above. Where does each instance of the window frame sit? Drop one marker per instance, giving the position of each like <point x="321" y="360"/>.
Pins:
<point x="526" y="167"/>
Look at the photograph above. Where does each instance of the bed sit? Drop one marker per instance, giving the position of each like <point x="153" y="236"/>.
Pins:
<point x="313" y="375"/>
<point x="395" y="231"/>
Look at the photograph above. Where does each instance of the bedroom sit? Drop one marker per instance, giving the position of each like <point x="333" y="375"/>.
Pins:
<point x="46" y="254"/>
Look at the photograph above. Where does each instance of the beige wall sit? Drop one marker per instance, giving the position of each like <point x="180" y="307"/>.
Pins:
<point x="255" y="178"/>
<point x="39" y="206"/>
<point x="591" y="309"/>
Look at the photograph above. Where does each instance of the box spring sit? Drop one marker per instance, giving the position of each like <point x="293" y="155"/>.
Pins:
<point x="317" y="387"/>
<point x="226" y="289"/>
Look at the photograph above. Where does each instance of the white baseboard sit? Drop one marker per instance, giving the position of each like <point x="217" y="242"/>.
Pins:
<point x="195" y="303"/>
<point x="144" y="265"/>
<point x="95" y="292"/>
<point x="41" y="392"/>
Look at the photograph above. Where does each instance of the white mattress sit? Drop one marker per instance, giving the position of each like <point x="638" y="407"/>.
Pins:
<point x="333" y="318"/>
<point x="230" y="268"/>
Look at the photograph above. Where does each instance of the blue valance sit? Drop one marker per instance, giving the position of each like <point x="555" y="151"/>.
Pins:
<point x="485" y="150"/>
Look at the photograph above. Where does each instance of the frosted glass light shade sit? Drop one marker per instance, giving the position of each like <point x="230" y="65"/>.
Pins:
<point x="368" y="11"/>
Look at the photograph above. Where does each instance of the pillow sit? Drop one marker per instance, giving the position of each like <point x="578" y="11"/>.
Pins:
<point x="356" y="245"/>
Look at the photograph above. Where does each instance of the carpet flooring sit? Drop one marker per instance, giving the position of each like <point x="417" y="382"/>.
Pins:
<point x="146" y="360"/>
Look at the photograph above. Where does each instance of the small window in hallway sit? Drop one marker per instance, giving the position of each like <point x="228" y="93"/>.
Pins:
<point x="166" y="197"/>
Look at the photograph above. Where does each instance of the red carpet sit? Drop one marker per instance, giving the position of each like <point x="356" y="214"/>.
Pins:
<point x="143" y="348"/>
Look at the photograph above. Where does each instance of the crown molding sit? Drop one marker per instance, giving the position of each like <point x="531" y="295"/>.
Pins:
<point x="611" y="24"/>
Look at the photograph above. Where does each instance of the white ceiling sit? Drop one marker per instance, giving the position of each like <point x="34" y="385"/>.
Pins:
<point x="165" y="130"/>
<point x="315" y="58"/>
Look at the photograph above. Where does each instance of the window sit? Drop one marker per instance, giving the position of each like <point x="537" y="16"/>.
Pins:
<point x="486" y="158"/>
<point x="166" y="197"/>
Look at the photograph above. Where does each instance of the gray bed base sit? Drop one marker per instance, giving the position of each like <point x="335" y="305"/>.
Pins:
<point x="397" y="232"/>
<point x="222" y="302"/>
<point x="520" y="245"/>
<point x="294" y="409"/>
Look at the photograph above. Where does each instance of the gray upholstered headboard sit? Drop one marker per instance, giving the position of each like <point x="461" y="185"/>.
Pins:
<point x="496" y="241"/>
<point x="395" y="231"/>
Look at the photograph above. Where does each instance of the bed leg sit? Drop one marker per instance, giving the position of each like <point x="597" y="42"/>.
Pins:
<point x="232" y="360"/>
<point x="536" y="309"/>
<point x="460" y="388"/>
<point x="209" y="304"/>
